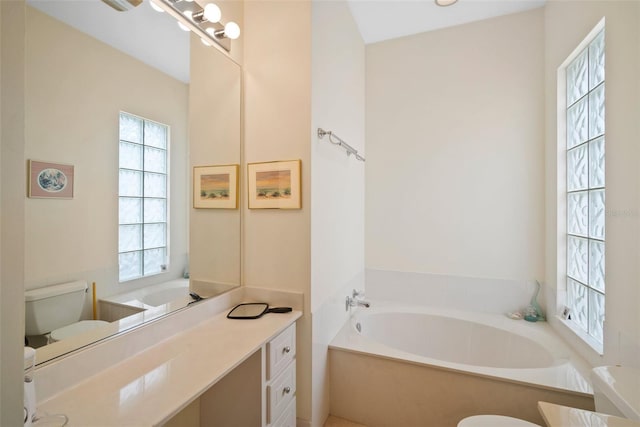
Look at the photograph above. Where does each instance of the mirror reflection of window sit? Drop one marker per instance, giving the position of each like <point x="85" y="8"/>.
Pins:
<point x="143" y="197"/>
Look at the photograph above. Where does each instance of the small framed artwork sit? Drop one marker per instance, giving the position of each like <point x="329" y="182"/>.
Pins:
<point x="274" y="185"/>
<point x="50" y="180"/>
<point x="215" y="187"/>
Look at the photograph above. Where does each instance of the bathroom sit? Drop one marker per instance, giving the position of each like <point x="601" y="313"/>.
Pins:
<point x="294" y="82"/>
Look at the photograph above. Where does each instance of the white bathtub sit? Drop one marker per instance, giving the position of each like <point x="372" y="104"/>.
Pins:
<point x="480" y="343"/>
<point x="455" y="340"/>
<point x="463" y="363"/>
<point x="174" y="292"/>
<point x="159" y="299"/>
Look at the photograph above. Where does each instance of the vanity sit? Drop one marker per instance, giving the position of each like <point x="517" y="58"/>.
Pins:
<point x="194" y="367"/>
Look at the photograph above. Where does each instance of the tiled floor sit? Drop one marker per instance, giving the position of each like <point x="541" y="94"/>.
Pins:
<point x="340" y="422"/>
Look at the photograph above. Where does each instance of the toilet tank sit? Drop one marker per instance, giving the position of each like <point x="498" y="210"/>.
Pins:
<point x="53" y="307"/>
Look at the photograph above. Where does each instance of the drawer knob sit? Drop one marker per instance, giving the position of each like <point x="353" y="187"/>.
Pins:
<point x="286" y="390"/>
<point x="287" y="349"/>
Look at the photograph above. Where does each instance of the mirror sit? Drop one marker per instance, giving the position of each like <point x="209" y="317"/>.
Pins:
<point x="86" y="63"/>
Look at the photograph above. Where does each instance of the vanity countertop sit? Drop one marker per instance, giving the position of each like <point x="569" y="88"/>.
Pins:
<point x="150" y="387"/>
<point x="563" y="416"/>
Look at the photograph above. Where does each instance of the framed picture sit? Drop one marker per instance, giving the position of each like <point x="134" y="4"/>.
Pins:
<point x="274" y="185"/>
<point x="215" y="187"/>
<point x="50" y="180"/>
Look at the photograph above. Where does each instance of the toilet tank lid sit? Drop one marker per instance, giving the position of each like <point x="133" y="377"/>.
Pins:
<point x="54" y="290"/>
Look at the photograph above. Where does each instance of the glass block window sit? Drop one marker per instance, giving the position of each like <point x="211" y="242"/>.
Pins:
<point x="585" y="145"/>
<point x="143" y="197"/>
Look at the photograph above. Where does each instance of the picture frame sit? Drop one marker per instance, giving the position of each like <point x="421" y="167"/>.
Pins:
<point x="48" y="180"/>
<point x="215" y="187"/>
<point x="274" y="185"/>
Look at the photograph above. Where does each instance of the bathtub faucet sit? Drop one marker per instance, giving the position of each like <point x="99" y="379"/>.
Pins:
<point x="356" y="300"/>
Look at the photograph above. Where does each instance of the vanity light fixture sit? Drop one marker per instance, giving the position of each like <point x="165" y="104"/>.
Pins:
<point x="205" y="22"/>
<point x="445" y="2"/>
<point x="156" y="7"/>
<point x="122" y="5"/>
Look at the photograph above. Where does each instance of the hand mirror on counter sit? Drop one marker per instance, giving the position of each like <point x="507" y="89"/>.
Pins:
<point x="254" y="310"/>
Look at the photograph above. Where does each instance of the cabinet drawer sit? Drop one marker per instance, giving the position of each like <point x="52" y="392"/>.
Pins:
<point x="288" y="417"/>
<point x="281" y="392"/>
<point x="280" y="351"/>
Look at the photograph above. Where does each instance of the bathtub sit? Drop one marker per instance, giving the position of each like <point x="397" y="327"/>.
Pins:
<point x="156" y="300"/>
<point x="160" y="298"/>
<point x="402" y="365"/>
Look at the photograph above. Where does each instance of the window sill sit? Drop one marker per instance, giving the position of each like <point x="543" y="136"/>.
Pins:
<point x="584" y="337"/>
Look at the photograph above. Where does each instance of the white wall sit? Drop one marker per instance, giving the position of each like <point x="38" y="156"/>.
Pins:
<point x="337" y="182"/>
<point x="75" y="88"/>
<point x="12" y="191"/>
<point x="455" y="154"/>
<point x="566" y="25"/>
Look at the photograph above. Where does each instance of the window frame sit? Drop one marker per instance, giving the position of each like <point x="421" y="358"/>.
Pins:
<point x="562" y="235"/>
<point x="164" y="267"/>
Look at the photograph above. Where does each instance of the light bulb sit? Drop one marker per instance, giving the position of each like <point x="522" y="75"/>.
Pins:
<point x="183" y="27"/>
<point x="155" y="7"/>
<point x="232" y="30"/>
<point x="204" y="42"/>
<point x="212" y="13"/>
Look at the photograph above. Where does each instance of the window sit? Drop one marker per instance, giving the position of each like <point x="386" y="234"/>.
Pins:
<point x="585" y="188"/>
<point x="143" y="197"/>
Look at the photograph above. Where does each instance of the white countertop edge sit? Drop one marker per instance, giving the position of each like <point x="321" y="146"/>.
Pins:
<point x="55" y="376"/>
<point x="152" y="386"/>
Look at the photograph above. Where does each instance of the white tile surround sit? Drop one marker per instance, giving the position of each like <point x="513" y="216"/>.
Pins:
<point x="163" y="356"/>
<point x="461" y="293"/>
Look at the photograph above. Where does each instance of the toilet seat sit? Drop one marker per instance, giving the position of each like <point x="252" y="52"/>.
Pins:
<point x="494" y="421"/>
<point x="75" y="329"/>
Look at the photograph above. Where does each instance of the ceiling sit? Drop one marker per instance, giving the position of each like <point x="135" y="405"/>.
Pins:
<point x="152" y="37"/>
<point x="380" y="20"/>
<point x="155" y="39"/>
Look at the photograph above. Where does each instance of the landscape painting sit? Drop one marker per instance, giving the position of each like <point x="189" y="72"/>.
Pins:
<point x="274" y="185"/>
<point x="215" y="187"/>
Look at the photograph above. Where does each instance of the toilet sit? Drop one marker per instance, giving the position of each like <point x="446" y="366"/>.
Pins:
<point x="494" y="421"/>
<point x="616" y="391"/>
<point x="55" y="311"/>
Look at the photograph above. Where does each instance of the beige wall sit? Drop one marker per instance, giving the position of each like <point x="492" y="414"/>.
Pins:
<point x="12" y="191"/>
<point x="277" y="116"/>
<point x="455" y="150"/>
<point x="214" y="139"/>
<point x="566" y="25"/>
<point x="75" y="88"/>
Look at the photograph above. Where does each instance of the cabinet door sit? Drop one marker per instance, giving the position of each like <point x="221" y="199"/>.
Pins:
<point x="288" y="418"/>
<point x="280" y="392"/>
<point x="281" y="351"/>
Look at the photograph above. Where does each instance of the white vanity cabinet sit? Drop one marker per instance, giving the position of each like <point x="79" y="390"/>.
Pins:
<point x="280" y="381"/>
<point x="213" y="372"/>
